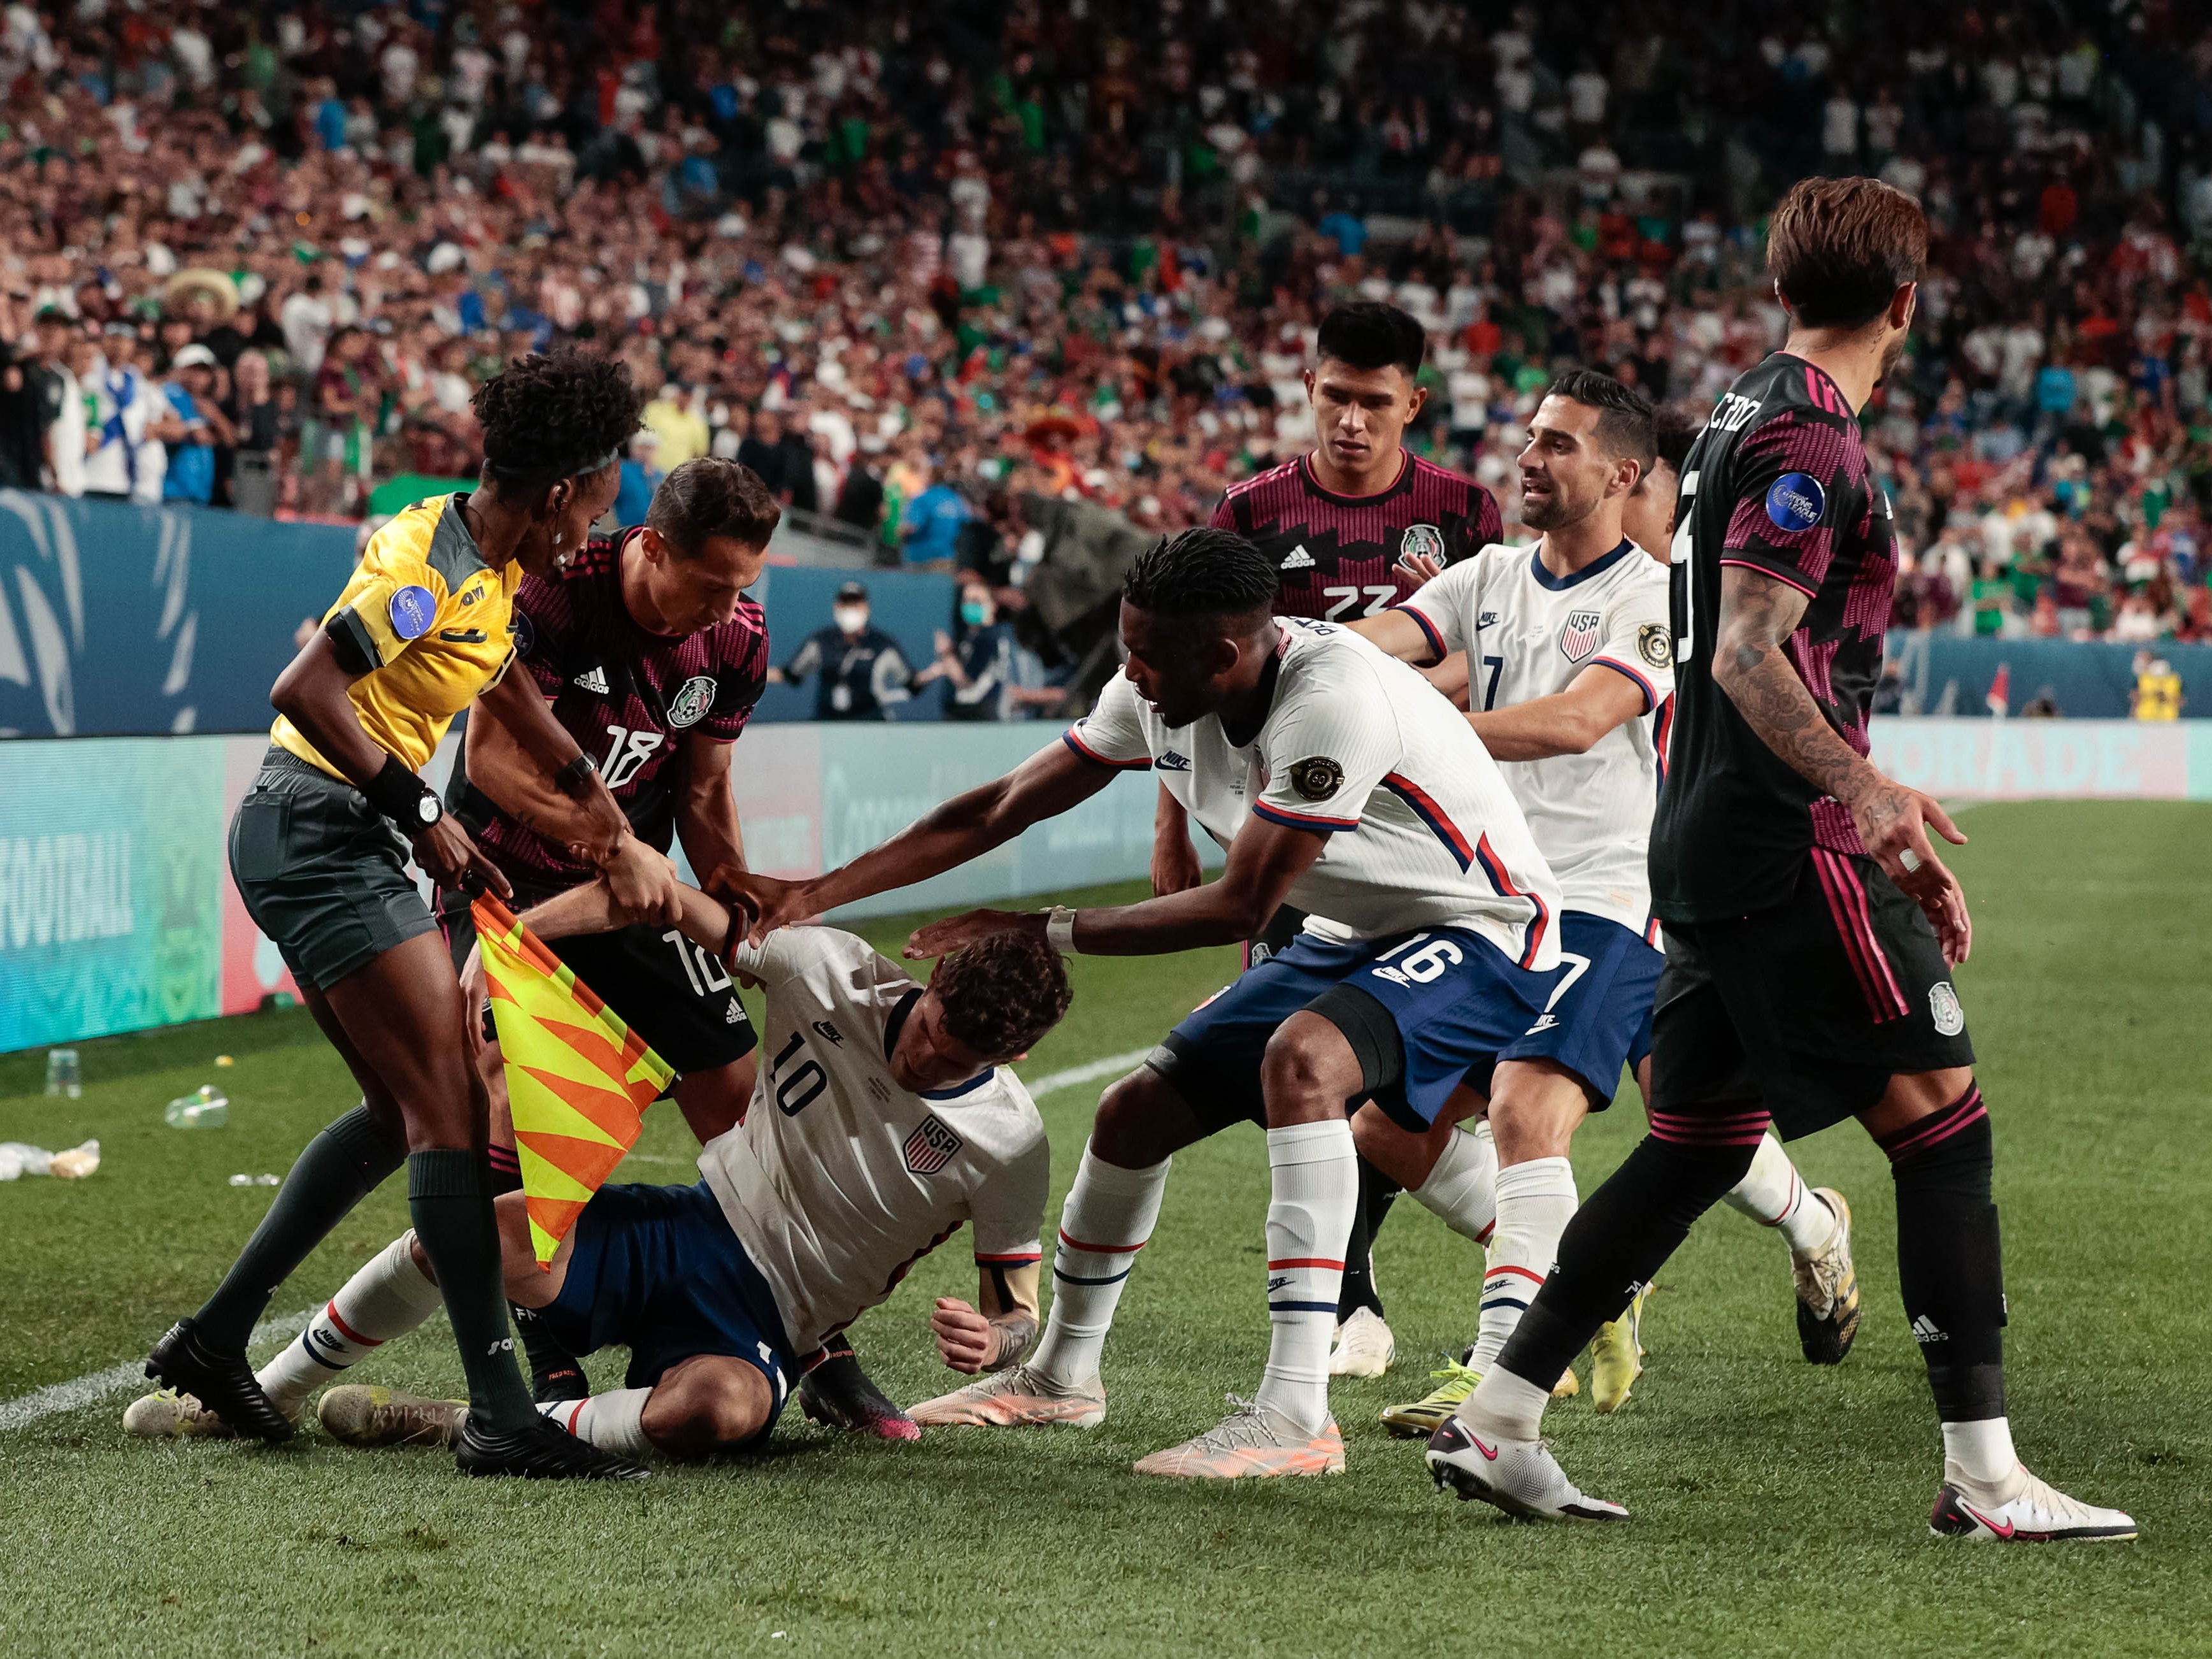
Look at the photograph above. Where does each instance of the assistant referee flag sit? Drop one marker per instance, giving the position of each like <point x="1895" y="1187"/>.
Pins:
<point x="578" y="1079"/>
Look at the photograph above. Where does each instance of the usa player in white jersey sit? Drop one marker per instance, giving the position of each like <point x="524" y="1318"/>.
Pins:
<point x="1568" y="655"/>
<point x="1341" y="783"/>
<point x="882" y="1122"/>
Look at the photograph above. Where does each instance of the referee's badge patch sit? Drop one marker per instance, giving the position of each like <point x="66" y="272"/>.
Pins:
<point x="1795" y="501"/>
<point x="1943" y="1004"/>
<point x="1316" y="779"/>
<point x="1579" y="637"/>
<point x="412" y="611"/>
<point x="1655" y="644"/>
<point x="931" y="1146"/>
<point x="692" y="700"/>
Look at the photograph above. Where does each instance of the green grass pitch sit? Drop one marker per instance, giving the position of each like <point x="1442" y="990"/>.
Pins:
<point x="1778" y="1509"/>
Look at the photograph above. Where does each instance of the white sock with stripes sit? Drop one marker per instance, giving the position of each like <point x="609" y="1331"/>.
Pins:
<point x="1535" y="1202"/>
<point x="614" y="1421"/>
<point x="1316" y="1188"/>
<point x="388" y="1298"/>
<point x="1773" y="1194"/>
<point x="1461" y="1190"/>
<point x="1108" y="1216"/>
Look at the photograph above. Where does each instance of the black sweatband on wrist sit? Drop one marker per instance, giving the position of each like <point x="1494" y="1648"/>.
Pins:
<point x="397" y="794"/>
<point x="730" y="938"/>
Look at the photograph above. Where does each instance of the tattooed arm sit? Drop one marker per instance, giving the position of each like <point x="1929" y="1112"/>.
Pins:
<point x="1757" y="614"/>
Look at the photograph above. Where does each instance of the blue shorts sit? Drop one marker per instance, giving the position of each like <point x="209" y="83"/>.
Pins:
<point x="658" y="1269"/>
<point x="1418" y="1009"/>
<point x="1596" y="1010"/>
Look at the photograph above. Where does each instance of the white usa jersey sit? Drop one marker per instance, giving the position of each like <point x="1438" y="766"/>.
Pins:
<point x="1422" y="831"/>
<point x="1528" y="634"/>
<point x="838" y="1181"/>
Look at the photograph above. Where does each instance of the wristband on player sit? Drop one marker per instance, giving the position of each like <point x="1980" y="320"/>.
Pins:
<point x="1059" y="930"/>
<point x="403" y="797"/>
<point x="572" y="780"/>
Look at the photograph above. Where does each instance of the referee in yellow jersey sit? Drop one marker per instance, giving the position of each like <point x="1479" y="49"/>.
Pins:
<point x="320" y="850"/>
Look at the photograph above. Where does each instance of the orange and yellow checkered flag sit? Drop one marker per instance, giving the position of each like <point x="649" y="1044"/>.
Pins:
<point x="578" y="1079"/>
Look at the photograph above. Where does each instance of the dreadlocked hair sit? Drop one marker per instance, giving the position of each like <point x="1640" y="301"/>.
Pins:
<point x="1201" y="572"/>
<point x="1002" y="993"/>
<point x="546" y="418"/>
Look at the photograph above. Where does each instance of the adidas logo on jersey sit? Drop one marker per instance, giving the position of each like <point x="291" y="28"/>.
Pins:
<point x="736" y="1014"/>
<point x="1298" y="558"/>
<point x="592" y="680"/>
<point x="1170" y="761"/>
<point x="1925" y="1331"/>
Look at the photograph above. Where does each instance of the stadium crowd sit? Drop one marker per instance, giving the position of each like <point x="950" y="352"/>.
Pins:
<point x="913" y="264"/>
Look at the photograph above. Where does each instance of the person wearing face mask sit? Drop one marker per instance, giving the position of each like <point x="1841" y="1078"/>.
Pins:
<point x="319" y="849"/>
<point x="979" y="665"/>
<point x="863" y="672"/>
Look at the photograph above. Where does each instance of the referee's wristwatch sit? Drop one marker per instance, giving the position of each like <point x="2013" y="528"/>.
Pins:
<point x="572" y="779"/>
<point x="1059" y="930"/>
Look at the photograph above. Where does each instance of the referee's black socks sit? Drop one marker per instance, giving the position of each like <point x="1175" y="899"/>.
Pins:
<point x="1949" y="1266"/>
<point x="451" y="1203"/>
<point x="1377" y="1194"/>
<point x="1625" y="1229"/>
<point x="339" y="1167"/>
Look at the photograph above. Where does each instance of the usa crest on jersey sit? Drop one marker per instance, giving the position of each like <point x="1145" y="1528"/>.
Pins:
<point x="1578" y="638"/>
<point x="931" y="1146"/>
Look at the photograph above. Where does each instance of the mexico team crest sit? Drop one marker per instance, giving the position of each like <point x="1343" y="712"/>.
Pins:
<point x="1422" y="542"/>
<point x="1579" y="637"/>
<point x="692" y="700"/>
<point x="931" y="1146"/>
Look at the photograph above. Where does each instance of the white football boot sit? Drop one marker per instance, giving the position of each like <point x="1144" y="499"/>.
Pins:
<point x="2020" y="1511"/>
<point x="1015" y="1398"/>
<point x="1364" y="1347"/>
<point x="1520" y="1477"/>
<point x="165" y="1414"/>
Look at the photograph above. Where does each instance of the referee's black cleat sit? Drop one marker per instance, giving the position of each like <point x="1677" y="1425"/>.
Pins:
<point x="543" y="1451"/>
<point x="838" y="1394"/>
<point x="555" y="1373"/>
<point x="224" y="1383"/>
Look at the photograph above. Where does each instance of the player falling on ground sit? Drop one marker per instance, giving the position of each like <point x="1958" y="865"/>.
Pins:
<point x="1339" y="782"/>
<point x="1811" y="929"/>
<point x="1343" y="524"/>
<point x="882" y="1122"/>
<point x="647" y="651"/>
<point x="1571" y="661"/>
<point x="319" y="850"/>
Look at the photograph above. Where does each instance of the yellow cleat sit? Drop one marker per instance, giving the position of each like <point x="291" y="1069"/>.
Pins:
<point x="166" y="1414"/>
<point x="1566" y="1387"/>
<point x="368" y="1414"/>
<point x="1617" y="1357"/>
<point x="1419" y="1418"/>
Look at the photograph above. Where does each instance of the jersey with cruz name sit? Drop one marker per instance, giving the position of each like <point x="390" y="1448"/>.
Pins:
<point x="839" y="1180"/>
<point x="1339" y="555"/>
<point x="627" y="696"/>
<point x="1422" y="830"/>
<point x="1777" y="483"/>
<point x="432" y="622"/>
<point x="1528" y="634"/>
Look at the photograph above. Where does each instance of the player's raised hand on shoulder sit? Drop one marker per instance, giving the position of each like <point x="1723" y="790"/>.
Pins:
<point x="944" y="938"/>
<point x="964" y="1337"/>
<point x="1426" y="566"/>
<point x="643" y="883"/>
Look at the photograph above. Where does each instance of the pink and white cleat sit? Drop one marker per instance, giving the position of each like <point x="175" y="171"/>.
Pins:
<point x="1016" y="1397"/>
<point x="1520" y="1477"/>
<point x="1251" y="1441"/>
<point x="2022" y="1510"/>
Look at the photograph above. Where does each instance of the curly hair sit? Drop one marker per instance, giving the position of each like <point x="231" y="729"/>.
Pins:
<point x="546" y="418"/>
<point x="1201" y="572"/>
<point x="1002" y="993"/>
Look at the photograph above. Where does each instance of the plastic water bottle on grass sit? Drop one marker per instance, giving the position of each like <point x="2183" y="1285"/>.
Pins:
<point x="205" y="1107"/>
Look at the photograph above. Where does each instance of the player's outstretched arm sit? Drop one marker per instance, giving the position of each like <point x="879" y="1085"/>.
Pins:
<point x="1397" y="633"/>
<point x="1043" y="786"/>
<point x="1265" y="862"/>
<point x="1757" y="614"/>
<point x="526" y="718"/>
<point x="1566" y="722"/>
<point x="595" y="907"/>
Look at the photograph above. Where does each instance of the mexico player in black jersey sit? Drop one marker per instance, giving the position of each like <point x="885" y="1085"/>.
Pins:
<point x="1344" y="525"/>
<point x="1811" y="929"/>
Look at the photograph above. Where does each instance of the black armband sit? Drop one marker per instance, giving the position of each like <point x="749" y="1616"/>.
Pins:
<point x="403" y="797"/>
<point x="351" y="642"/>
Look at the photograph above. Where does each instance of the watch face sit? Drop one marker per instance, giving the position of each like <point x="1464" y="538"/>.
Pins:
<point x="429" y="811"/>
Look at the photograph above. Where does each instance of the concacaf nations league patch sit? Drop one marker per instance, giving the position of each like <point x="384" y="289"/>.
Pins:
<point x="1795" y="501"/>
<point x="412" y="611"/>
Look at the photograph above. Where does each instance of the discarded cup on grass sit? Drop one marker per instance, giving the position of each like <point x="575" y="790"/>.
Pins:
<point x="205" y="1107"/>
<point x="64" y="1075"/>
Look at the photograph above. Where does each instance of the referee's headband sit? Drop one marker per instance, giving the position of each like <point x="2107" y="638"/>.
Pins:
<point x="554" y="473"/>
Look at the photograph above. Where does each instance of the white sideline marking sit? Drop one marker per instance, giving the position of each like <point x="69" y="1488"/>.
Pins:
<point x="82" y="1391"/>
<point x="1112" y="1065"/>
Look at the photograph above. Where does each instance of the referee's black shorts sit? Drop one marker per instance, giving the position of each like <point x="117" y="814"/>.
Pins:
<point x="1807" y="1009"/>
<point x="667" y="989"/>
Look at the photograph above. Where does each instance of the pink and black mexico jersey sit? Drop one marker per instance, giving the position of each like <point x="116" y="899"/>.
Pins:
<point x="1777" y="483"/>
<point x="1339" y="554"/>
<point x="628" y="697"/>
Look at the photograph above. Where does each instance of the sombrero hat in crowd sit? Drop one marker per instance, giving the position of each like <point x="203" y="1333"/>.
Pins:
<point x="179" y="292"/>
